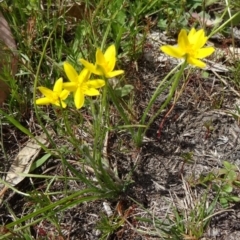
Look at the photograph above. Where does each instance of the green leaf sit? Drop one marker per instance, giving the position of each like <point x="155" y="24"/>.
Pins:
<point x="205" y="74"/>
<point x="227" y="165"/>
<point x="237" y="183"/>
<point x="208" y="178"/>
<point x="124" y="91"/>
<point x="234" y="199"/>
<point x="121" y="17"/>
<point x="17" y="124"/>
<point x="162" y="24"/>
<point x="187" y="157"/>
<point x="222" y="172"/>
<point x="227" y="188"/>
<point x="232" y="175"/>
<point x="40" y="161"/>
<point x="210" y="2"/>
<point x="224" y="202"/>
<point x="27" y="237"/>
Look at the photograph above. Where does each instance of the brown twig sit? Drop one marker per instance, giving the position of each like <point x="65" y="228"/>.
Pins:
<point x="176" y="97"/>
<point x="2" y="192"/>
<point x="163" y="121"/>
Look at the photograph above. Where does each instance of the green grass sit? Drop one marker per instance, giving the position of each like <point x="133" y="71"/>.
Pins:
<point x="46" y="36"/>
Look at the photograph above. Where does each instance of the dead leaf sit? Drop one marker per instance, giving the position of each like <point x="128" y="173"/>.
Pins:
<point x="205" y="20"/>
<point x="23" y="161"/>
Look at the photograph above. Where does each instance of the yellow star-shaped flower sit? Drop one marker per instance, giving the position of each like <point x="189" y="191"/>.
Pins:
<point x="105" y="63"/>
<point x="190" y="47"/>
<point x="80" y="84"/>
<point x="55" y="96"/>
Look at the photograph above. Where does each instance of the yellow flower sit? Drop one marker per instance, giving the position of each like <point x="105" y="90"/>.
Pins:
<point x="80" y="84"/>
<point x="105" y="63"/>
<point x="190" y="47"/>
<point x="55" y="96"/>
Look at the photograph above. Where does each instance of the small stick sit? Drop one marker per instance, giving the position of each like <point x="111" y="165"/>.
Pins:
<point x="163" y="121"/>
<point x="3" y="191"/>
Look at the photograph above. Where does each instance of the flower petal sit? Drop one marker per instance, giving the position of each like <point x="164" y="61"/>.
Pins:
<point x="198" y="39"/>
<point x="70" y="72"/>
<point x="70" y="86"/>
<point x="114" y="73"/>
<point x="97" y="83"/>
<point x="84" y="76"/>
<point x="43" y="101"/>
<point x="64" y="94"/>
<point x="191" y="34"/>
<point x="78" y="98"/>
<point x="63" y="104"/>
<point x="46" y="92"/>
<point x="100" y="59"/>
<point x="110" y="52"/>
<point x="183" y="42"/>
<point x="204" y="52"/>
<point x="110" y="57"/>
<point x="89" y="66"/>
<point x="102" y="70"/>
<point x="111" y="64"/>
<point x="91" y="92"/>
<point x="196" y="62"/>
<point x="58" y="85"/>
<point x="173" y="51"/>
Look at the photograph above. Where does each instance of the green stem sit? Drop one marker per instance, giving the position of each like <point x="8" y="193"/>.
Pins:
<point x="103" y="172"/>
<point x="35" y="89"/>
<point x="223" y="25"/>
<point x="117" y="102"/>
<point x="157" y="93"/>
<point x="101" y="121"/>
<point x="161" y="87"/>
<point x="170" y="95"/>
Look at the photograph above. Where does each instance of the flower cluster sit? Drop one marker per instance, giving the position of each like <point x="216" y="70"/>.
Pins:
<point x="55" y="96"/>
<point x="190" y="47"/>
<point x="80" y="84"/>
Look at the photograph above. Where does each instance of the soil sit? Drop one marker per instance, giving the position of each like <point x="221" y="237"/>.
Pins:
<point x="194" y="140"/>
